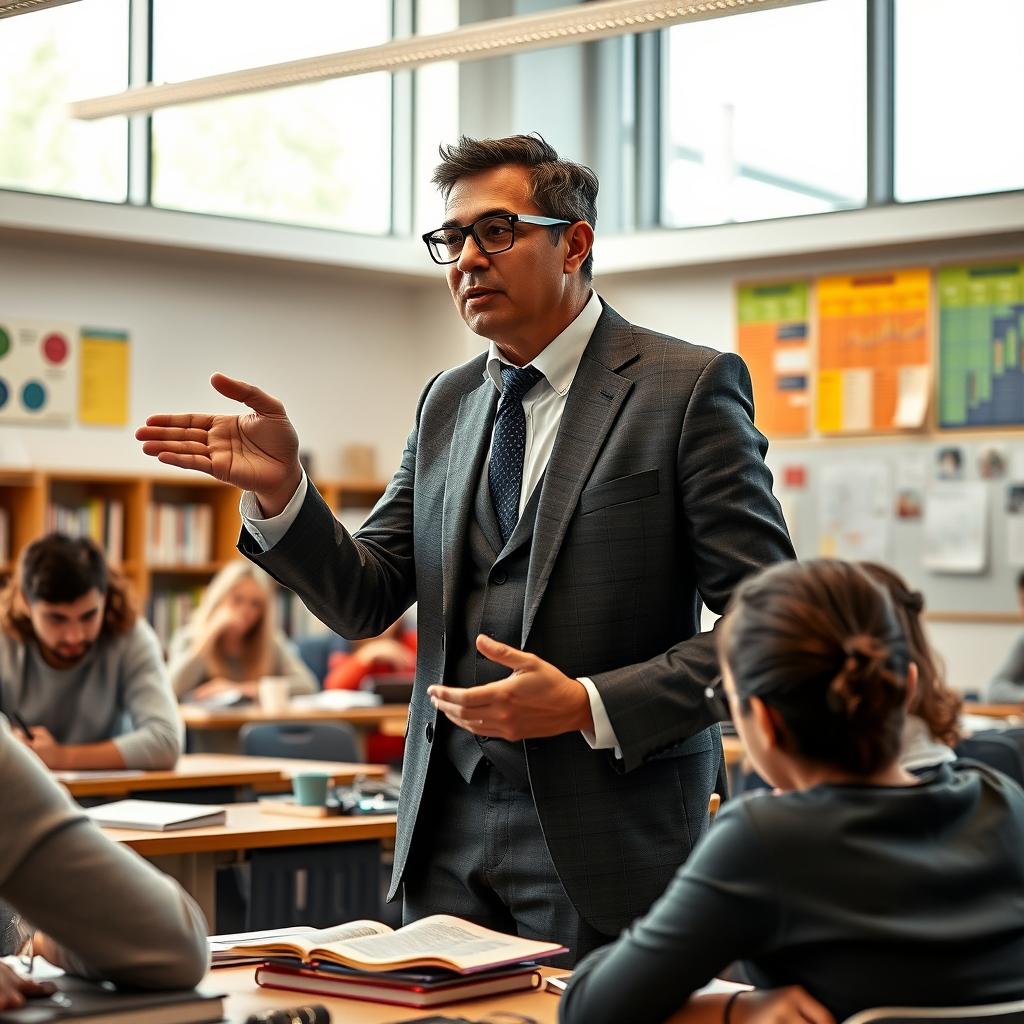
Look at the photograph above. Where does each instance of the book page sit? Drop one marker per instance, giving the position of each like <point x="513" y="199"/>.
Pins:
<point x="444" y="939"/>
<point x="309" y="939"/>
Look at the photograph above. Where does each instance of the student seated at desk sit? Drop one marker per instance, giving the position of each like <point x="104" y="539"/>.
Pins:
<point x="931" y="725"/>
<point x="232" y="641"/>
<point x="858" y="885"/>
<point x="101" y="911"/>
<point x="81" y="673"/>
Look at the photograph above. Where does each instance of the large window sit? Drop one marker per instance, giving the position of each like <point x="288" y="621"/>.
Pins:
<point x="317" y="154"/>
<point x="958" y="97"/>
<point x="48" y="59"/>
<point x="765" y="115"/>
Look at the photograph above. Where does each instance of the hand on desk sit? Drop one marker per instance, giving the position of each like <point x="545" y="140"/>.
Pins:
<point x="44" y="746"/>
<point x="15" y="989"/>
<point x="536" y="700"/>
<point x="790" y="1005"/>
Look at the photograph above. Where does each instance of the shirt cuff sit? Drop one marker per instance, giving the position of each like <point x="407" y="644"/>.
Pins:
<point x="603" y="737"/>
<point x="267" y="532"/>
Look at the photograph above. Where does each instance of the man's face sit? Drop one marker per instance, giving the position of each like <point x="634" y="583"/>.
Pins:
<point x="514" y="295"/>
<point x="66" y="631"/>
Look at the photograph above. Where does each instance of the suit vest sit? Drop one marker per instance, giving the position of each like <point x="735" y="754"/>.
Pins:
<point x="491" y="598"/>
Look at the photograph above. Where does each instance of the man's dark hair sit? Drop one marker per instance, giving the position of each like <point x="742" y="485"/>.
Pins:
<point x="559" y="188"/>
<point x="59" y="570"/>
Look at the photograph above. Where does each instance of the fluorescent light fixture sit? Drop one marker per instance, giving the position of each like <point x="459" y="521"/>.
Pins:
<point x="9" y="8"/>
<point x="582" y="23"/>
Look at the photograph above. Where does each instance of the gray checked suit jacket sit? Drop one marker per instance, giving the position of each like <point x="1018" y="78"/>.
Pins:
<point x="656" y="496"/>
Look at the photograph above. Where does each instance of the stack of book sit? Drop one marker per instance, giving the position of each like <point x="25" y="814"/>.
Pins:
<point x="102" y="520"/>
<point x="437" y="960"/>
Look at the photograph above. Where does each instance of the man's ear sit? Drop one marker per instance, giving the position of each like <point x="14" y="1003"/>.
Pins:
<point x="580" y="239"/>
<point x="912" y="680"/>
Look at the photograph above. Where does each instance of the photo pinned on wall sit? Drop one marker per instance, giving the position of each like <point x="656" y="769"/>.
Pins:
<point x="1015" y="524"/>
<point x="949" y="463"/>
<point x="911" y="484"/>
<point x="992" y="462"/>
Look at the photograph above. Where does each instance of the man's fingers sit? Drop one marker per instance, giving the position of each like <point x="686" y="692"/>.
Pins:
<point x="502" y="654"/>
<point x="176" y="447"/>
<point x="459" y="697"/>
<point x="158" y="425"/>
<point x="197" y="462"/>
<point x="239" y="391"/>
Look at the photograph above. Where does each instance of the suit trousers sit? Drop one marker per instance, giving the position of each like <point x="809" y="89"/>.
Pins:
<point x="486" y="860"/>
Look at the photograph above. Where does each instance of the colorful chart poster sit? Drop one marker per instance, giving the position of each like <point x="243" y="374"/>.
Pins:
<point x="774" y="342"/>
<point x="103" y="394"/>
<point x="981" y="345"/>
<point x="37" y="371"/>
<point x="874" y="364"/>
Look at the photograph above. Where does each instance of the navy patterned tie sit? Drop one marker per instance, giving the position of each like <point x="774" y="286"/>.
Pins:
<point x="508" y="446"/>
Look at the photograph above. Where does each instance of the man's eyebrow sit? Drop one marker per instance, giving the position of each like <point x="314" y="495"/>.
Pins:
<point x="451" y="223"/>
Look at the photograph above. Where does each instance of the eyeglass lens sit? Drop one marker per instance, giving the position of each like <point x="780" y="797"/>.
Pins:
<point x="492" y="235"/>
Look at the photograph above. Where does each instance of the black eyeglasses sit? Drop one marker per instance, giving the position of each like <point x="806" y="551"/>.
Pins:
<point x="493" y="234"/>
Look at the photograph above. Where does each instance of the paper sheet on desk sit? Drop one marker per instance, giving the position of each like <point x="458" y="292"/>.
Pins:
<point x="715" y="987"/>
<point x="98" y="773"/>
<point x="336" y="700"/>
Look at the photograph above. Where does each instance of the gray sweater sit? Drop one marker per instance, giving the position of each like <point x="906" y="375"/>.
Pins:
<point x="1008" y="685"/>
<point x="119" y="691"/>
<point x="188" y="669"/>
<point x="114" y="915"/>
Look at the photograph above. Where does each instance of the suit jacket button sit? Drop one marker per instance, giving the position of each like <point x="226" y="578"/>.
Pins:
<point x="429" y="732"/>
<point x="498" y="577"/>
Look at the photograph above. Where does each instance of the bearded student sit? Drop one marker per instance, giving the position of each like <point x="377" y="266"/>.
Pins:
<point x="82" y="676"/>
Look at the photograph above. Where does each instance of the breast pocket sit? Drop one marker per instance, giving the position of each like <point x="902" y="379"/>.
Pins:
<point x="619" y="491"/>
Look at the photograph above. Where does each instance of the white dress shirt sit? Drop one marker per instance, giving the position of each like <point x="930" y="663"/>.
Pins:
<point x="543" y="405"/>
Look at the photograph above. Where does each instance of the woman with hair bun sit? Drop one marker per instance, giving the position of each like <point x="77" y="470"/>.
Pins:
<point x="859" y="884"/>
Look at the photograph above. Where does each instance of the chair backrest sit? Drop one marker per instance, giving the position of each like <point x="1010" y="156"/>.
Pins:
<point x="317" y="741"/>
<point x="996" y="751"/>
<point x="986" y="1013"/>
<point x="316" y="650"/>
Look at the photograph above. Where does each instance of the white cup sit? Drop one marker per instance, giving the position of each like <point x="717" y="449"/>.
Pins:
<point x="273" y="692"/>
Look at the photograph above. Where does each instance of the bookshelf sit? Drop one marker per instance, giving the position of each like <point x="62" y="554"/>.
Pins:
<point x="167" y="534"/>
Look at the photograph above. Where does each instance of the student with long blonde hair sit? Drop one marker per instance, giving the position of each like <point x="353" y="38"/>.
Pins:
<point x="232" y="640"/>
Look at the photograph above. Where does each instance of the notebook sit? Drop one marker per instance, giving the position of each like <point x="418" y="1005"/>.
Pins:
<point x="156" y="815"/>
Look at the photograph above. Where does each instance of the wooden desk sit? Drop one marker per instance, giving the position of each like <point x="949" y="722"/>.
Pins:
<point x="190" y="855"/>
<point x="203" y="771"/>
<point x="246" y="997"/>
<point x="218" y="730"/>
<point x="993" y="710"/>
<point x="732" y="748"/>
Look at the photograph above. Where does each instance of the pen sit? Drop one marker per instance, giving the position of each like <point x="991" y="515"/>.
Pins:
<point x="22" y="725"/>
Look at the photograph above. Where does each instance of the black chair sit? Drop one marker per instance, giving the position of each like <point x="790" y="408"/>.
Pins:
<point x="988" y="1013"/>
<point x="309" y="885"/>
<point x="996" y="751"/>
<point x="317" y="741"/>
<point x="316" y="650"/>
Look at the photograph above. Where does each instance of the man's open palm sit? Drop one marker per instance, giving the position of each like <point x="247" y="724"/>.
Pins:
<point x="255" y="451"/>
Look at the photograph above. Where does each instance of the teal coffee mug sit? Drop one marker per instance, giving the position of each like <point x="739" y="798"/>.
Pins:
<point x="310" y="788"/>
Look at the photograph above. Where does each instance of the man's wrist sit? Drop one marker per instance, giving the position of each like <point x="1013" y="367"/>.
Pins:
<point x="273" y="503"/>
<point x="584" y="720"/>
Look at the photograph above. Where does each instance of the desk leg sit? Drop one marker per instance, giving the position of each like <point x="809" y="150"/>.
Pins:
<point x="196" y="874"/>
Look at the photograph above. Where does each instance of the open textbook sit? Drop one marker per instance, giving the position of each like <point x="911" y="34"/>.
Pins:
<point x="437" y="941"/>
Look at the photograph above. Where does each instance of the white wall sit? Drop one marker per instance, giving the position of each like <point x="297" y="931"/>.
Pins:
<point x="348" y="353"/>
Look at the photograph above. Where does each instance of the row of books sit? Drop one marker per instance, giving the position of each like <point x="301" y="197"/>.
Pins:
<point x="98" y="518"/>
<point x="179" y="534"/>
<point x="169" y="610"/>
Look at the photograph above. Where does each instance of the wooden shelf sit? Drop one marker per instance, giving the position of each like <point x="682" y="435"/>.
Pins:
<point x="26" y="494"/>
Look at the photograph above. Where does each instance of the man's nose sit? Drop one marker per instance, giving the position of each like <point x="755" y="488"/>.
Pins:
<point x="472" y="256"/>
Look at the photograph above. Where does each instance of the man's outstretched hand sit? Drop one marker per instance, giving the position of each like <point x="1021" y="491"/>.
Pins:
<point x="256" y="451"/>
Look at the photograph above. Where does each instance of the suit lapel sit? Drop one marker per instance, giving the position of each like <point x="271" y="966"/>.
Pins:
<point x="594" y="400"/>
<point x="470" y="441"/>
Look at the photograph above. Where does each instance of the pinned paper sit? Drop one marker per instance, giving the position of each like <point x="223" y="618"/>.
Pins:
<point x="956" y="528"/>
<point x="37" y="371"/>
<point x="912" y="403"/>
<point x="103" y="393"/>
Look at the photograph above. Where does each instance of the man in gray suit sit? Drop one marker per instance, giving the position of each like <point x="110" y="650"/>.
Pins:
<point x="564" y="502"/>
